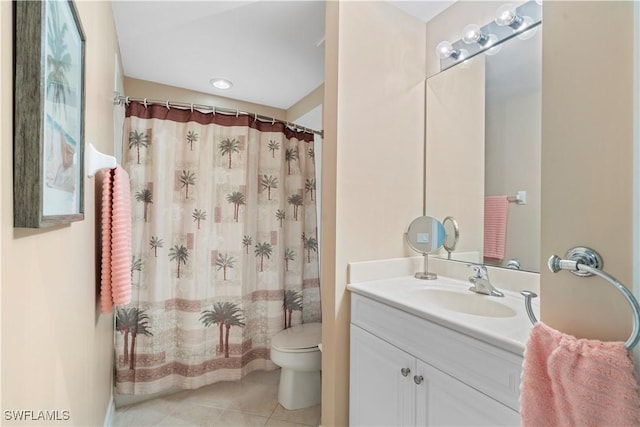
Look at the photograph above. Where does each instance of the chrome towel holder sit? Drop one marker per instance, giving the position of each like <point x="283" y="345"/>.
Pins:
<point x="584" y="262"/>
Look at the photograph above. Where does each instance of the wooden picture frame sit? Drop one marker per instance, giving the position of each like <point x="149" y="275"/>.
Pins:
<point x="49" y="91"/>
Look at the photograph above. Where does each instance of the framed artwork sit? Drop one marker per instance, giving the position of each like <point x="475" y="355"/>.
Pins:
<point x="48" y="114"/>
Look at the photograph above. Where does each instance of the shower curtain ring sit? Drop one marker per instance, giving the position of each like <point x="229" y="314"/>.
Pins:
<point x="214" y="110"/>
<point x="237" y="112"/>
<point x="273" y="121"/>
<point x="255" y="117"/>
<point x="167" y="105"/>
<point x="126" y="100"/>
<point x="192" y="108"/>
<point x="145" y="103"/>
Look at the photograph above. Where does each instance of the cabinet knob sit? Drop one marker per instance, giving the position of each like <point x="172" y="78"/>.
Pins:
<point x="418" y="379"/>
<point x="405" y="371"/>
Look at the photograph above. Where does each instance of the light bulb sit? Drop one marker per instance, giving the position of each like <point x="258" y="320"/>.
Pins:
<point x="471" y="34"/>
<point x="506" y="15"/>
<point x="444" y="49"/>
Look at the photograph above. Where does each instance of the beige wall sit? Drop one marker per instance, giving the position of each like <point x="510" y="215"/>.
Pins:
<point x="372" y="162"/>
<point x="587" y="158"/>
<point x="56" y="347"/>
<point x="145" y="89"/>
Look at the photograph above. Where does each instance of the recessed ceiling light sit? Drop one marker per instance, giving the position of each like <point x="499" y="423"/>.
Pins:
<point x="220" y="83"/>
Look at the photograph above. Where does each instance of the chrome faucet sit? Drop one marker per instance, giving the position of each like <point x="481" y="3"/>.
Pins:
<point x="481" y="283"/>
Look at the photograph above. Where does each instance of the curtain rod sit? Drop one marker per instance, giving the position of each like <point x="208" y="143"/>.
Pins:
<point x="122" y="100"/>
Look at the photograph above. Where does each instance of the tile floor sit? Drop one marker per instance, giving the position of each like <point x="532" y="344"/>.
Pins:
<point x="253" y="401"/>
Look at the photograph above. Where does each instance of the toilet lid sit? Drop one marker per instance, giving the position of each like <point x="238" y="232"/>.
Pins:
<point x="307" y="335"/>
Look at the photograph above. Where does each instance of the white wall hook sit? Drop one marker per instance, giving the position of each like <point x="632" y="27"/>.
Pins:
<point x="96" y="161"/>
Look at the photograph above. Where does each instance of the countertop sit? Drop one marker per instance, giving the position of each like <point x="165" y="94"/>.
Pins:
<point x="408" y="294"/>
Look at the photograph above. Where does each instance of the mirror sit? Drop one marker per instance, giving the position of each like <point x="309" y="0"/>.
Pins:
<point x="425" y="235"/>
<point x="451" y="235"/>
<point x="483" y="128"/>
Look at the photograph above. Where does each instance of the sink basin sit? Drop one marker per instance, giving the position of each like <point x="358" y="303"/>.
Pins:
<point x="468" y="303"/>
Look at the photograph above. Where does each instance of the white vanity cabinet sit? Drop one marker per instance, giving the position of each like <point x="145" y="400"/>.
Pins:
<point x="406" y="370"/>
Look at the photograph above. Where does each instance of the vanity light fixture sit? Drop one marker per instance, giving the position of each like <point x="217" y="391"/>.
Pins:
<point x="510" y="21"/>
<point x="446" y="50"/>
<point x="219" y="83"/>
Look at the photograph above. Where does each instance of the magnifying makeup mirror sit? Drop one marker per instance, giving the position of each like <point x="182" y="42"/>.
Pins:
<point x="451" y="234"/>
<point x="425" y="235"/>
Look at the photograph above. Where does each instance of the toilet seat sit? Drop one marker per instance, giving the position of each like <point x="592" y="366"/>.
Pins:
<point x="298" y="339"/>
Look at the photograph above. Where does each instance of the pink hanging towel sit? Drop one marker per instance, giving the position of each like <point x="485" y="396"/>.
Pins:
<point x="495" y="226"/>
<point x="568" y="381"/>
<point x="115" y="287"/>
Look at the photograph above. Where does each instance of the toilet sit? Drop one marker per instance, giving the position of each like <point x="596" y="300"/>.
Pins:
<point x="296" y="351"/>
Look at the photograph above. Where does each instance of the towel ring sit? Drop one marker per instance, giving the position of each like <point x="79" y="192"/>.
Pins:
<point x="585" y="262"/>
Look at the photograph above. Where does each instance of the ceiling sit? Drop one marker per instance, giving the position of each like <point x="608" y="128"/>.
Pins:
<point x="272" y="51"/>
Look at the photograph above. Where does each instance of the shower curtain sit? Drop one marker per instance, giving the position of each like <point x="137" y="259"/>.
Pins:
<point x="225" y="246"/>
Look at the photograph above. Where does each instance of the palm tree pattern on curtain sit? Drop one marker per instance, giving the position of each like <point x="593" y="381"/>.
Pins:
<point x="224" y="244"/>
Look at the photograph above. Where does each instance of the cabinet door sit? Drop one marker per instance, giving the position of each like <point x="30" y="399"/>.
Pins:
<point x="380" y="394"/>
<point x="442" y="400"/>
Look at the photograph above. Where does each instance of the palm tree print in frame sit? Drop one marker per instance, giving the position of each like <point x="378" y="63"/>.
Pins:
<point x="225" y="315"/>
<point x="228" y="147"/>
<point x="58" y="59"/>
<point x="49" y="120"/>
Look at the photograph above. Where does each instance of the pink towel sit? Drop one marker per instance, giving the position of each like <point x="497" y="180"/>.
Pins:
<point x="115" y="286"/>
<point x="495" y="226"/>
<point x="568" y="381"/>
